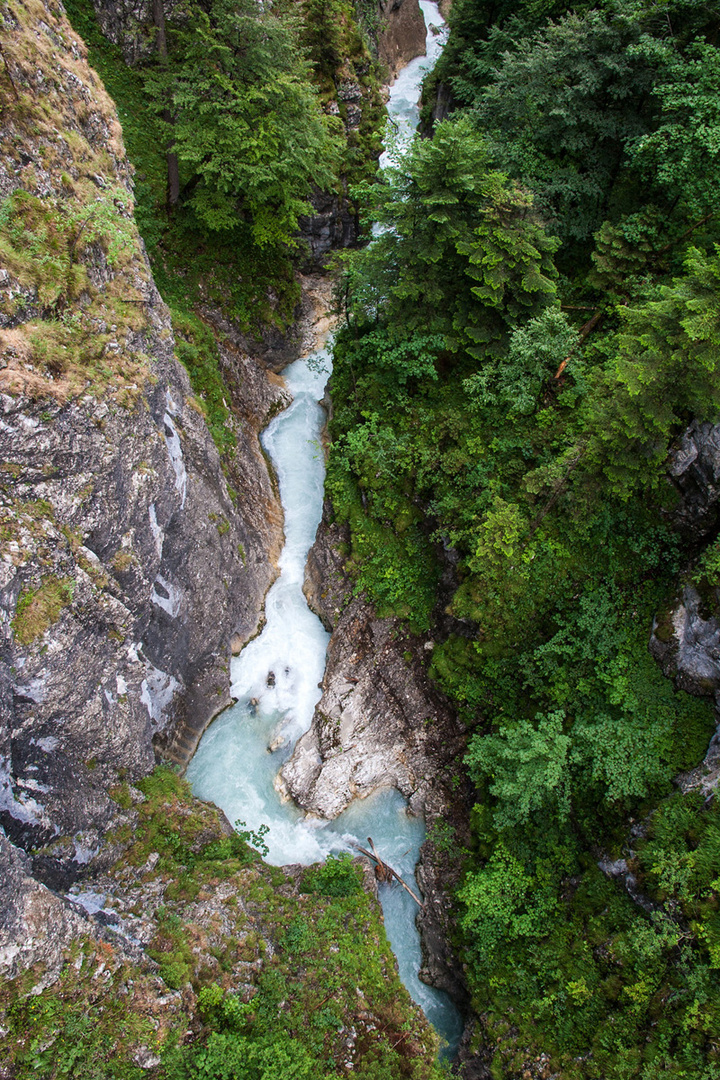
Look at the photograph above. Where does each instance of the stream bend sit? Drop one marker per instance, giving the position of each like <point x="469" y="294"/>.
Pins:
<point x="276" y="678"/>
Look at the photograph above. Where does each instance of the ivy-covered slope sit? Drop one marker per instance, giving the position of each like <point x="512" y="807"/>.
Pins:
<point x="525" y="347"/>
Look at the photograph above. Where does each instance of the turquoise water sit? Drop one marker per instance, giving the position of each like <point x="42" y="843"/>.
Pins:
<point x="275" y="680"/>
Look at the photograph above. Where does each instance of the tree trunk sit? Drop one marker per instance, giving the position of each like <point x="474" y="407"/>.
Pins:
<point x="173" y="169"/>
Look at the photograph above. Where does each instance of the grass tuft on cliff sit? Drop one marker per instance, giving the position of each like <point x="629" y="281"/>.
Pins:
<point x="38" y="609"/>
<point x="250" y="968"/>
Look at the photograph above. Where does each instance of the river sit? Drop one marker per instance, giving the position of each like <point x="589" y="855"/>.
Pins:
<point x="275" y="680"/>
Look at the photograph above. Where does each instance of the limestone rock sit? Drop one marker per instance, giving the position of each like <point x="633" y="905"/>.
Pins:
<point x="402" y="33"/>
<point x="332" y="226"/>
<point x="379" y="722"/>
<point x="686" y="641"/>
<point x="36" y="926"/>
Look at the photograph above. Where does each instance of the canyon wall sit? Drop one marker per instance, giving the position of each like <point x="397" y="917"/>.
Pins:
<point x="128" y="562"/>
<point x="381" y="723"/>
<point x="401" y="35"/>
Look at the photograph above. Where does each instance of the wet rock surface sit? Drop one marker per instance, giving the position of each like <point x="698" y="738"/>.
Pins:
<point x="402" y="33"/>
<point x="331" y="227"/>
<point x="694" y="469"/>
<point x="381" y="723"/>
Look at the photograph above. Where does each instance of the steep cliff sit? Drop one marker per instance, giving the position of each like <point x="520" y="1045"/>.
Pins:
<point x="401" y="35"/>
<point x="128" y="563"/>
<point x="379" y="721"/>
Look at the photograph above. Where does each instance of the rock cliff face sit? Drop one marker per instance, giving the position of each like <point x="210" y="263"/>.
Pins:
<point x="380" y="723"/>
<point x="686" y="638"/>
<point x="686" y="641"/>
<point x="402" y="33"/>
<point x="127" y="564"/>
<point x="695" y="471"/>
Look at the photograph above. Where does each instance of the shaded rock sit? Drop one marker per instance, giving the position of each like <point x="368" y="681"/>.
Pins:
<point x="275" y="349"/>
<point x="36" y="926"/>
<point x="694" y="469"/>
<point x="706" y="775"/>
<point x="686" y="642"/>
<point x="332" y="226"/>
<point x="402" y="33"/>
<point x="441" y="109"/>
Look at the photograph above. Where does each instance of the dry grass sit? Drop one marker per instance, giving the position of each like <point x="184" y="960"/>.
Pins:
<point x="68" y="240"/>
<point x="38" y="609"/>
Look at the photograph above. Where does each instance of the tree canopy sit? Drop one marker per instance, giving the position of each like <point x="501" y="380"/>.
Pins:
<point x="527" y="336"/>
<point x="245" y="119"/>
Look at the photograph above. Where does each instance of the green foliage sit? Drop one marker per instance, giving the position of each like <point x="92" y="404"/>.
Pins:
<point x="664" y="371"/>
<point x="227" y="1057"/>
<point x="500" y="435"/>
<point x="589" y="106"/>
<point x="37" y="609"/>
<point x="527" y="764"/>
<point x="43" y="241"/>
<point x="536" y="350"/>
<point x="329" y="959"/>
<point x="236" y="98"/>
<point x="71" y="1031"/>
<point x="196" y="348"/>
<point x="502" y="903"/>
<point x="337" y="876"/>
<point x="561" y="110"/>
<point x="681" y="154"/>
<point x="244" y="120"/>
<point x="708" y="567"/>
<point x="253" y="837"/>
<point x="225" y="1011"/>
<point x="442" y="206"/>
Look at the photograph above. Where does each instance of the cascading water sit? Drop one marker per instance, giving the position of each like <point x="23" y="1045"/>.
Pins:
<point x="404" y="102"/>
<point x="275" y="679"/>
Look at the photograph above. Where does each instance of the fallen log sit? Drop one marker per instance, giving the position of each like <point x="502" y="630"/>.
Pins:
<point x="387" y="871"/>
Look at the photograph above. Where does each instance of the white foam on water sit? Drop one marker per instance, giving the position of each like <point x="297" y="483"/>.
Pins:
<point x="404" y="102"/>
<point x="275" y="678"/>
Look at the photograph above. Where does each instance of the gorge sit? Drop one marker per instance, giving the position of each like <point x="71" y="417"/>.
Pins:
<point x="486" y="551"/>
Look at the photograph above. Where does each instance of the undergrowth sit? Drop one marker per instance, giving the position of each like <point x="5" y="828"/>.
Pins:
<point x="256" y="977"/>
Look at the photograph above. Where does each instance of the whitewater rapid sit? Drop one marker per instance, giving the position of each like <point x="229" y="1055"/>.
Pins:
<point x="276" y="679"/>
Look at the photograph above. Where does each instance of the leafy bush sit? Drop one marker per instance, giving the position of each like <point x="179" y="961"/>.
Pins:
<point x="338" y="876"/>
